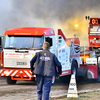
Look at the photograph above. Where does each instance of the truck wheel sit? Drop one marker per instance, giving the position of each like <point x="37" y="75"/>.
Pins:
<point x="65" y="79"/>
<point x="74" y="68"/>
<point x="98" y="68"/>
<point x="10" y="81"/>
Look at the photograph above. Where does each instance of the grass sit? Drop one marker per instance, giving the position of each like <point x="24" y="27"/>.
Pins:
<point x="85" y="96"/>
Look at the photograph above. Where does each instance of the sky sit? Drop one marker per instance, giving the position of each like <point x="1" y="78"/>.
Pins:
<point x="56" y="14"/>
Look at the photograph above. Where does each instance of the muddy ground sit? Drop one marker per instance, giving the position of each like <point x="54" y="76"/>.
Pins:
<point x="26" y="90"/>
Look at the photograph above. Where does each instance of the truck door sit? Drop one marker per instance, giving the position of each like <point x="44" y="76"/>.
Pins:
<point x="64" y="55"/>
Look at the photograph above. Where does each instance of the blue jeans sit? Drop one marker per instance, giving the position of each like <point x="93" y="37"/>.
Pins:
<point x="43" y="87"/>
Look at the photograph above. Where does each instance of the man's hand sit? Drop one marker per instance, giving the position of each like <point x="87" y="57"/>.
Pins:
<point x="57" y="74"/>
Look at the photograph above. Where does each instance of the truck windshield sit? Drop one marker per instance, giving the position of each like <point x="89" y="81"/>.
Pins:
<point x="94" y="29"/>
<point x="29" y="42"/>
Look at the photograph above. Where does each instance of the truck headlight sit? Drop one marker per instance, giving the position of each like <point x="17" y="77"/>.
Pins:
<point x="6" y="72"/>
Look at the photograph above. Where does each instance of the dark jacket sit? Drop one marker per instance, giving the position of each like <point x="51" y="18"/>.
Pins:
<point x="46" y="64"/>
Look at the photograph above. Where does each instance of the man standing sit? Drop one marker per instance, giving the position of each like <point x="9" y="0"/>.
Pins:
<point x="46" y="65"/>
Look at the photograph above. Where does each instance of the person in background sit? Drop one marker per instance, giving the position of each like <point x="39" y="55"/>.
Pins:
<point x="45" y="65"/>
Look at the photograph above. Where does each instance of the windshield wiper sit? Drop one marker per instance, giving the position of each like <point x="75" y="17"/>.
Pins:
<point x="36" y="49"/>
<point x="10" y="48"/>
<point x="23" y="48"/>
<point x="21" y="51"/>
<point x="31" y="48"/>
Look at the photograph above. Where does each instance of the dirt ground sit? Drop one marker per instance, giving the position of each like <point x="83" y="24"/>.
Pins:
<point x="26" y="90"/>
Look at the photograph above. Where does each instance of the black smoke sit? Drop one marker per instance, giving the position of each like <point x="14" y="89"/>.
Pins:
<point x="49" y="13"/>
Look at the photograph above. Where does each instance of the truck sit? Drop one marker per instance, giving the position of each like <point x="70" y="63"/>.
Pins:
<point x="91" y="55"/>
<point x="21" y="44"/>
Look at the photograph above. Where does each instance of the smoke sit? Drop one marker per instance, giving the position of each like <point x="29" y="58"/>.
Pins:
<point x="63" y="14"/>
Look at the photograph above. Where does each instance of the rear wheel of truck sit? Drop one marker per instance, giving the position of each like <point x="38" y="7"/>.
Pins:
<point x="74" y="68"/>
<point x="10" y="81"/>
<point x="65" y="79"/>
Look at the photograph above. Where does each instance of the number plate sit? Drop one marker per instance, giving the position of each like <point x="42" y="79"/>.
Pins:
<point x="21" y="63"/>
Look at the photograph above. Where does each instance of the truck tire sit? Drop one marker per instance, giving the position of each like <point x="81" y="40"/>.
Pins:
<point x="98" y="68"/>
<point x="65" y="79"/>
<point x="74" y="67"/>
<point x="10" y="81"/>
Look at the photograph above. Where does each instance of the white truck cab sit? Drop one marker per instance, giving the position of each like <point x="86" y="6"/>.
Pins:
<point x="21" y="44"/>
